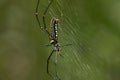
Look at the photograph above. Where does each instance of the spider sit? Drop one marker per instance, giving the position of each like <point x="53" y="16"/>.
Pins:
<point x="53" y="36"/>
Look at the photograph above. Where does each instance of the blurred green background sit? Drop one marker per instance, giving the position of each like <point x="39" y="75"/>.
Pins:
<point x="92" y="26"/>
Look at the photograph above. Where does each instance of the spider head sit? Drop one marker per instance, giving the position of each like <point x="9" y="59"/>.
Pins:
<point x="56" y="21"/>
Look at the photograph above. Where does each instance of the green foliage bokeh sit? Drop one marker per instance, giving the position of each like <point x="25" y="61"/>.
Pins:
<point x="91" y="26"/>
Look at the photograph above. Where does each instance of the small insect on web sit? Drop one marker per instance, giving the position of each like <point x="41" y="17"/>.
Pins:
<point x="53" y="36"/>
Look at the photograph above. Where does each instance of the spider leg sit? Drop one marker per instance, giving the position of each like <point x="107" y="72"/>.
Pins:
<point x="49" y="60"/>
<point x="37" y="18"/>
<point x="55" y="63"/>
<point x="44" y="16"/>
<point x="47" y="45"/>
<point x="66" y="45"/>
<point x="47" y="7"/>
<point x="36" y="14"/>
